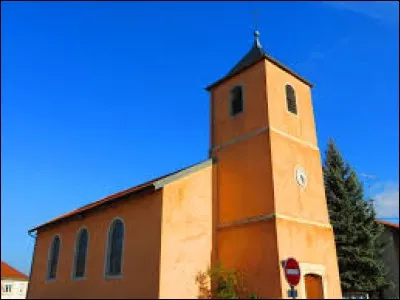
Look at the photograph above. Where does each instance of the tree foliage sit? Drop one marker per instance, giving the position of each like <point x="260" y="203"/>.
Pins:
<point x="357" y="234"/>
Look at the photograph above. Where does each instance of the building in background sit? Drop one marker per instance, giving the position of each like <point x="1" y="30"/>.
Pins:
<point x="391" y="259"/>
<point x="14" y="284"/>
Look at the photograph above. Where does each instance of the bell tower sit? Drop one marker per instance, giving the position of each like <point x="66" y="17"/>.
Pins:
<point x="270" y="199"/>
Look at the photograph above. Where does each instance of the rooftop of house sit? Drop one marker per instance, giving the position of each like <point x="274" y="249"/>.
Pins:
<point x="8" y="272"/>
<point x="389" y="224"/>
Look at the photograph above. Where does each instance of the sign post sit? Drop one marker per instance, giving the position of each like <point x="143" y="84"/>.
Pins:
<point x="292" y="274"/>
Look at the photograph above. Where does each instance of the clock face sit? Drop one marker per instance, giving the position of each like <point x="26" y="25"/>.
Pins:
<point x="301" y="177"/>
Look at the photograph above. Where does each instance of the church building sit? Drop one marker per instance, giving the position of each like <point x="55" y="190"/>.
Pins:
<point x="258" y="199"/>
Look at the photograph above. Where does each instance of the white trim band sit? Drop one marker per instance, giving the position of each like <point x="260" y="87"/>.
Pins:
<point x="270" y="217"/>
<point x="261" y="130"/>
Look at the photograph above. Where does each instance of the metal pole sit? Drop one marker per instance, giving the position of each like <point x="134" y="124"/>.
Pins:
<point x="292" y="292"/>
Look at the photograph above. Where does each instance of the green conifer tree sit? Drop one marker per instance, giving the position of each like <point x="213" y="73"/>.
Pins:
<point x="359" y="248"/>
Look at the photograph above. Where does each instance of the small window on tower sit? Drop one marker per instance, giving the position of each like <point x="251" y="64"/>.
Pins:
<point x="236" y="97"/>
<point x="291" y="99"/>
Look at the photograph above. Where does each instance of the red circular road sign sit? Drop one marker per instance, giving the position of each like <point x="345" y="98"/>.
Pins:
<point x="292" y="271"/>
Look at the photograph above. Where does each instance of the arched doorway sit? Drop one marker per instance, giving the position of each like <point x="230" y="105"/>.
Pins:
<point x="314" y="287"/>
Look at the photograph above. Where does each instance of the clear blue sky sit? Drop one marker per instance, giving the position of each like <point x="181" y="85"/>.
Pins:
<point x="100" y="96"/>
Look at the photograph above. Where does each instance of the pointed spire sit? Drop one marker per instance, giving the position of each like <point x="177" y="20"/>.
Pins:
<point x="255" y="53"/>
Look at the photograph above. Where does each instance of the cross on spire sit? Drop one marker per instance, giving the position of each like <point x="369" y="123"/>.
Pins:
<point x="256" y="32"/>
<point x="255" y="19"/>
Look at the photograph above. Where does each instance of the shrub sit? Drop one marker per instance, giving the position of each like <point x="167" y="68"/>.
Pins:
<point x="222" y="284"/>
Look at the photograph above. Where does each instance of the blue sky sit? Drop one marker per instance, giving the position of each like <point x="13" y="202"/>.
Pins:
<point x="101" y="96"/>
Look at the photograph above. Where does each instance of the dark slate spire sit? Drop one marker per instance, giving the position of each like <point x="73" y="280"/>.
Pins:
<point x="255" y="54"/>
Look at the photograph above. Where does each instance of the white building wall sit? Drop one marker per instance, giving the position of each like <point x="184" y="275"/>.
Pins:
<point x="13" y="289"/>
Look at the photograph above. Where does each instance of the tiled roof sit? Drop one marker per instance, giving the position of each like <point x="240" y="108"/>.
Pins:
<point x="9" y="272"/>
<point x="255" y="54"/>
<point x="114" y="197"/>
<point x="389" y="224"/>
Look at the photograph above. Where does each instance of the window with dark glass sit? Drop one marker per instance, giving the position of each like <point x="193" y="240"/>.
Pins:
<point x="115" y="248"/>
<point x="81" y="245"/>
<point x="291" y="99"/>
<point x="236" y="100"/>
<point x="53" y="258"/>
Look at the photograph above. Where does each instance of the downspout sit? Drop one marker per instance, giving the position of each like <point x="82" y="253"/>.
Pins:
<point x="32" y="261"/>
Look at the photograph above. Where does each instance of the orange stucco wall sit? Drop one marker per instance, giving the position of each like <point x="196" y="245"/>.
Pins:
<point x="290" y="199"/>
<point x="244" y="182"/>
<point x="257" y="153"/>
<point x="168" y="241"/>
<point x="252" y="250"/>
<point x="313" y="245"/>
<point x="141" y="256"/>
<point x="224" y="127"/>
<point x="293" y="144"/>
<point x="302" y="125"/>
<point x="187" y="229"/>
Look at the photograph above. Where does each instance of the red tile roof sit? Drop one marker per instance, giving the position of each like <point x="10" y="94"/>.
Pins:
<point x="98" y="203"/>
<point x="108" y="199"/>
<point x="393" y="225"/>
<point x="9" y="272"/>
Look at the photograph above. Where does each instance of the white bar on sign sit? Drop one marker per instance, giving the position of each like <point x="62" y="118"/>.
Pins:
<point x="292" y="272"/>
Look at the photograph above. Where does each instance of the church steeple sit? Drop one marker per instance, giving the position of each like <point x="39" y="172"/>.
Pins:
<point x="268" y="184"/>
<point x="255" y="54"/>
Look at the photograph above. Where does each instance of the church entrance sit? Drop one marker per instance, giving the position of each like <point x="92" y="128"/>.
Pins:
<point x="314" y="288"/>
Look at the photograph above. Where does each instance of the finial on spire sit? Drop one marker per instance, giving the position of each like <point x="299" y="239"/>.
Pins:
<point x="256" y="39"/>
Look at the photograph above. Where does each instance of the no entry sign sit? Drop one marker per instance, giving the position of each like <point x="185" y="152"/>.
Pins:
<point x="292" y="271"/>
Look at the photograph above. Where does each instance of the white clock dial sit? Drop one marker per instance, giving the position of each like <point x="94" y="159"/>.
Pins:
<point x="301" y="177"/>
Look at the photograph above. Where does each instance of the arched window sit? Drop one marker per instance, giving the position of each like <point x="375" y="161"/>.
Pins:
<point x="81" y="245"/>
<point x="53" y="258"/>
<point x="236" y="100"/>
<point x="291" y="99"/>
<point x="115" y="246"/>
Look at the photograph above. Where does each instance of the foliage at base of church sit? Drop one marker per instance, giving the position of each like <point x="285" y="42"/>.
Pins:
<point x="221" y="283"/>
<point x="357" y="234"/>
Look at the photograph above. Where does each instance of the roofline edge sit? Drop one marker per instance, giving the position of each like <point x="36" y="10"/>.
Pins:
<point x="15" y="278"/>
<point x="79" y="214"/>
<point x="270" y="59"/>
<point x="162" y="182"/>
<point x="152" y="186"/>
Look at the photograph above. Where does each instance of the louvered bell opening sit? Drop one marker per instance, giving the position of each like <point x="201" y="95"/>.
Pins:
<point x="291" y="100"/>
<point x="236" y="100"/>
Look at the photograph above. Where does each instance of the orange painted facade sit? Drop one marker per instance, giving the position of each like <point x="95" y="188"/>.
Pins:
<point x="167" y="241"/>
<point x="243" y="207"/>
<point x="264" y="216"/>
<point x="142" y="220"/>
<point x="186" y="236"/>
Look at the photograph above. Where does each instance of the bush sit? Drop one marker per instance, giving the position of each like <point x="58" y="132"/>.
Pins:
<point x="222" y="284"/>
